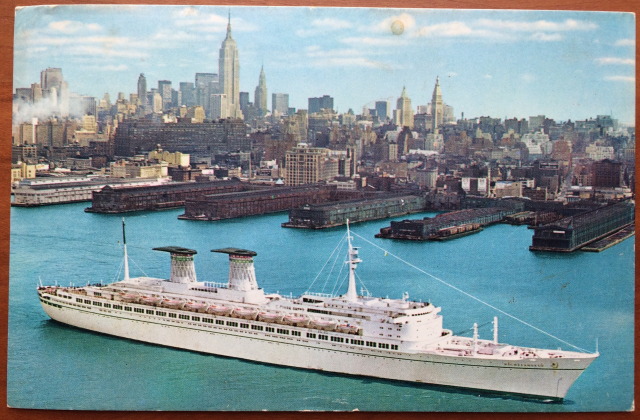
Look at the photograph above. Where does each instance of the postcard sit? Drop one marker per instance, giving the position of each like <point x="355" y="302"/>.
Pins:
<point x="252" y="208"/>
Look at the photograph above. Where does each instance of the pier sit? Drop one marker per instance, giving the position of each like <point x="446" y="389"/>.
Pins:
<point x="574" y="232"/>
<point x="321" y="216"/>
<point x="158" y="197"/>
<point x="433" y="228"/>
<point x="611" y="240"/>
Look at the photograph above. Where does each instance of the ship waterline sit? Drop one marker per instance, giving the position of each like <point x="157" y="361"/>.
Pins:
<point x="395" y="339"/>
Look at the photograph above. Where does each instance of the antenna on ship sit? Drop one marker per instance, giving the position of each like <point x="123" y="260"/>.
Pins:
<point x="353" y="260"/>
<point x="126" y="257"/>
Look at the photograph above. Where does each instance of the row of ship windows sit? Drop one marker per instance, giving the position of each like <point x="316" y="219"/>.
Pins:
<point x="241" y="325"/>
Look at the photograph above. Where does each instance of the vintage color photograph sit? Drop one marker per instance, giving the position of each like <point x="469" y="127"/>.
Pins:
<point x="241" y="208"/>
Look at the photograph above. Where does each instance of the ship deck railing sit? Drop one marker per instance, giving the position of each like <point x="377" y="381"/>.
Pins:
<point x="318" y="294"/>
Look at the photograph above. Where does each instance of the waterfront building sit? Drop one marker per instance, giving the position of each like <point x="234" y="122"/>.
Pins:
<point x="573" y="232"/>
<point x="114" y="199"/>
<point x="260" y="97"/>
<point x="309" y="165"/>
<point x="606" y="174"/>
<point x="137" y="169"/>
<point x="597" y="151"/>
<point x="202" y="139"/>
<point x="229" y="71"/>
<point x="62" y="190"/>
<point x="253" y="202"/>
<point x="175" y="159"/>
<point x="321" y="216"/>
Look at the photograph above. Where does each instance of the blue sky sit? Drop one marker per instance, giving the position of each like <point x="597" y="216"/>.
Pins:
<point x="566" y="65"/>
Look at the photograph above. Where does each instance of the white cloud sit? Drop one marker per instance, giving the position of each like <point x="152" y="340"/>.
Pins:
<point x="72" y="27"/>
<point x="616" y="60"/>
<point x="322" y="26"/>
<point x="375" y="41"/>
<point x="625" y="42"/>
<point x="538" y="26"/>
<point x="456" y="29"/>
<point x="342" y="57"/>
<point x="544" y="37"/>
<point x="629" y="79"/>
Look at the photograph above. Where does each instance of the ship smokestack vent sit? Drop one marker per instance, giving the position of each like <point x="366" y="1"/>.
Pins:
<point x="182" y="267"/>
<point x="242" y="273"/>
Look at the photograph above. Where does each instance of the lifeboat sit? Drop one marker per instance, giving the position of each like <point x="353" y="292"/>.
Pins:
<point x="172" y="303"/>
<point x="245" y="313"/>
<point x="150" y="300"/>
<point x="195" y="306"/>
<point x="269" y="317"/>
<point x="295" y="320"/>
<point x="323" y="325"/>
<point x="129" y="297"/>
<point x="348" y="328"/>
<point x="219" y="310"/>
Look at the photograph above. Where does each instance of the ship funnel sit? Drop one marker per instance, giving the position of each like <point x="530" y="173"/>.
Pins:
<point x="182" y="268"/>
<point x="242" y="273"/>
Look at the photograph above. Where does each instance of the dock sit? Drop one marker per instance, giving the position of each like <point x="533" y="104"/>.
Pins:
<point x="611" y="240"/>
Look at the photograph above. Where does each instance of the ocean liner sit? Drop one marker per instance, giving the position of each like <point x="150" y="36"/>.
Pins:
<point x="396" y="339"/>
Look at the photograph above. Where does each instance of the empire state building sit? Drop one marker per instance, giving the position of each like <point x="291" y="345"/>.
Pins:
<point x="229" y="73"/>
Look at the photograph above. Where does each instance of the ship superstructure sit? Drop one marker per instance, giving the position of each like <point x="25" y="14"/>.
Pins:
<point x="396" y="339"/>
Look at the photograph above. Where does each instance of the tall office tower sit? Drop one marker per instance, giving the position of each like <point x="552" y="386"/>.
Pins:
<point x="54" y="86"/>
<point x="260" y="97"/>
<point x="188" y="95"/>
<point x="382" y="110"/>
<point x="164" y="89"/>
<point x="142" y="91"/>
<point x="280" y="104"/>
<point x="437" y="108"/>
<point x="403" y="114"/>
<point x="51" y="77"/>
<point x="229" y="71"/>
<point x="219" y="106"/>
<point x="318" y="104"/>
<point x="206" y="85"/>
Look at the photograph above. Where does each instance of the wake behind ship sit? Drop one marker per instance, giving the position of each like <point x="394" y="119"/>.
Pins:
<point x="395" y="339"/>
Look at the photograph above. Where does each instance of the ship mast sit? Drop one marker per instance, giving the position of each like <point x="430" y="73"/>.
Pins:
<point x="126" y="257"/>
<point x="352" y="260"/>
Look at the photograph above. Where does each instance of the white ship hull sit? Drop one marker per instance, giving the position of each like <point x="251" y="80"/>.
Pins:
<point x="542" y="378"/>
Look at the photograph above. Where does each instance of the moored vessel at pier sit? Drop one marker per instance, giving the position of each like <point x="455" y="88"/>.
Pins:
<point x="397" y="339"/>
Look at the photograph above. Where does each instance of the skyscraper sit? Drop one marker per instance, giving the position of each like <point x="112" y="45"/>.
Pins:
<point x="437" y="107"/>
<point x="229" y="71"/>
<point x="260" y="98"/>
<point x="206" y="85"/>
<point x="318" y="104"/>
<point x="280" y="104"/>
<point x="382" y="110"/>
<point x="403" y="114"/>
<point x="142" y="90"/>
<point x="164" y="89"/>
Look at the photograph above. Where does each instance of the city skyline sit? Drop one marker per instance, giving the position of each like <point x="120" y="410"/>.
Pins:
<point x="566" y="65"/>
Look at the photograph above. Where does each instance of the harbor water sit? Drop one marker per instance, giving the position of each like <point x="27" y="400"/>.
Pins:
<point x="585" y="299"/>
